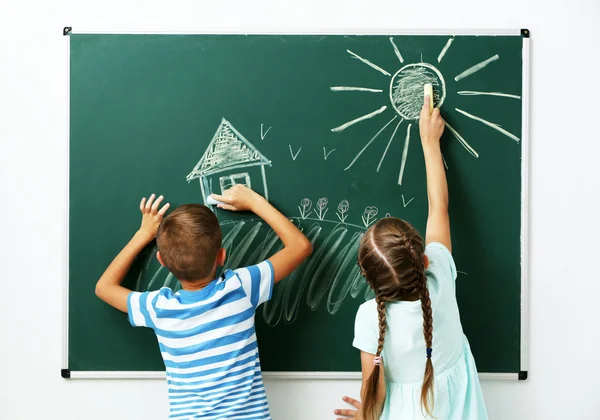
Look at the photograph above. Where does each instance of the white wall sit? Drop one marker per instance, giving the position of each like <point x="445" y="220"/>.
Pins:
<point x="565" y="182"/>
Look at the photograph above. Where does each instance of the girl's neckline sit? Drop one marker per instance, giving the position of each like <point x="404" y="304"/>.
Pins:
<point x="406" y="303"/>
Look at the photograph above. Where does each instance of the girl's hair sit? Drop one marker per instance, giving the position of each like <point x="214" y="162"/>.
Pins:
<point x="392" y="259"/>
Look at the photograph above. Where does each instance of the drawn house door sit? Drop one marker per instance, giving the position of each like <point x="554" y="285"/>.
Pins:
<point x="230" y="159"/>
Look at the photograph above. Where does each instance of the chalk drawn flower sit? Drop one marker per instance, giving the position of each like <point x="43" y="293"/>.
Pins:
<point x="342" y="210"/>
<point x="369" y="215"/>
<point x="305" y="208"/>
<point x="322" y="205"/>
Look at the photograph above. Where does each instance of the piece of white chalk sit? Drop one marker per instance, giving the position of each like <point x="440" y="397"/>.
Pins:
<point x="212" y="202"/>
<point x="428" y="91"/>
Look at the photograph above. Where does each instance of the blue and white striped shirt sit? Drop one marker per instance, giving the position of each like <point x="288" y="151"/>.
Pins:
<point x="208" y="343"/>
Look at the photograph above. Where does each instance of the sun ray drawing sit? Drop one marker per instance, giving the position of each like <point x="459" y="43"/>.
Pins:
<point x="388" y="145"/>
<point x="354" y="88"/>
<point x="405" y="92"/>
<point x="397" y="51"/>
<point x="404" y="154"/>
<point x="445" y="49"/>
<point x="359" y="119"/>
<point x="462" y="141"/>
<point x="476" y="67"/>
<point x="368" y="63"/>
<point x="369" y="143"/>
<point x="475" y="93"/>
<point x="489" y="124"/>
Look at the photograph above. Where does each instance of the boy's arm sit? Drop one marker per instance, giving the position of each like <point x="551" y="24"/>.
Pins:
<point x="109" y="287"/>
<point x="296" y="247"/>
<point x="438" y="221"/>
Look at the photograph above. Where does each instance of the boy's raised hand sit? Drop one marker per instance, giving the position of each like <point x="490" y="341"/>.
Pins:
<point x="151" y="216"/>
<point x="237" y="198"/>
<point x="109" y="287"/>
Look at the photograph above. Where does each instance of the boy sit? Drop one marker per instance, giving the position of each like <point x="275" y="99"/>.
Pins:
<point x="206" y="330"/>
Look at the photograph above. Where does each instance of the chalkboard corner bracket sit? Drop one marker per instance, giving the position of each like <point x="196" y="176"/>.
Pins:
<point x="67" y="30"/>
<point x="65" y="373"/>
<point x="523" y="375"/>
<point x="525" y="33"/>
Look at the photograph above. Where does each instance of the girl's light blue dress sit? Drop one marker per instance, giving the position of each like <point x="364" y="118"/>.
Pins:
<point x="457" y="392"/>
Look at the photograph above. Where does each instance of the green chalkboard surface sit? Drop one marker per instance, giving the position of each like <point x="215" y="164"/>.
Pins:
<point x="326" y="127"/>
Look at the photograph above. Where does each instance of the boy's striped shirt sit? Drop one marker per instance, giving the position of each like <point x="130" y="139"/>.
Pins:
<point x="208" y="343"/>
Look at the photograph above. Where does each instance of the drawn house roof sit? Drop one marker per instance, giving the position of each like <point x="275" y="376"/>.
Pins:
<point x="227" y="150"/>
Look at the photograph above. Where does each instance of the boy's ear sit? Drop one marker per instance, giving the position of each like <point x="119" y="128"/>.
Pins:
<point x="221" y="257"/>
<point x="426" y="260"/>
<point x="159" y="258"/>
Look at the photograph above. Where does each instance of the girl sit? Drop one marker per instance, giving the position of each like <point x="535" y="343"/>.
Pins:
<point x="416" y="361"/>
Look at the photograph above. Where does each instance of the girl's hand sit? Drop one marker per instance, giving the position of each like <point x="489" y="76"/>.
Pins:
<point x="431" y="125"/>
<point x="237" y="198"/>
<point x="151" y="216"/>
<point x="348" y="413"/>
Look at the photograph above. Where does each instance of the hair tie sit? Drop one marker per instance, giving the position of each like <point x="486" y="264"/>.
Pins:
<point x="429" y="351"/>
<point x="377" y="360"/>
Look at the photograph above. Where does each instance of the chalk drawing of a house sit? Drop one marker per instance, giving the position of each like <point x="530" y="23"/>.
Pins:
<point x="230" y="159"/>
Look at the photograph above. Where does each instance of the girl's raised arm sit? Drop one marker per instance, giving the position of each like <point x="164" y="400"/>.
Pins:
<point x="431" y="126"/>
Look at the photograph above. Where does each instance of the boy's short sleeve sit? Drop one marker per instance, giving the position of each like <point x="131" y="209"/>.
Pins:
<point x="366" y="333"/>
<point x="257" y="281"/>
<point x="140" y="308"/>
<point x="441" y="262"/>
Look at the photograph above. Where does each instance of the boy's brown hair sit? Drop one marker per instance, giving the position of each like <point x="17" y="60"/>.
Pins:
<point x="188" y="240"/>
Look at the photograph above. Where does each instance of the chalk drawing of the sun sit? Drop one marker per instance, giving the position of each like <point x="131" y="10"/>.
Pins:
<point x="406" y="97"/>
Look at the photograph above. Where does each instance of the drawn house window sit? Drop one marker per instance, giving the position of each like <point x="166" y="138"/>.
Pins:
<point x="227" y="153"/>
<point x="229" y="181"/>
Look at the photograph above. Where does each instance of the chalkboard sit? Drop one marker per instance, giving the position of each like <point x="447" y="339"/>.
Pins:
<point x="326" y="127"/>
